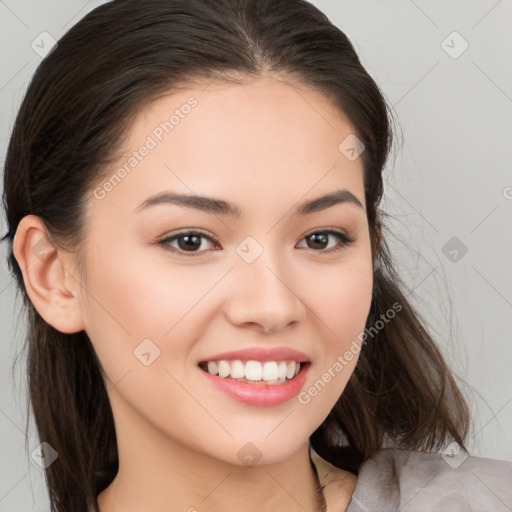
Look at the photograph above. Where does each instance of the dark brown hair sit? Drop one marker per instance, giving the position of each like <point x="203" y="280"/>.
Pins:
<point x="123" y="55"/>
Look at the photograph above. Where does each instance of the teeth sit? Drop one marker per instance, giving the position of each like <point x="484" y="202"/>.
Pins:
<point x="224" y="369"/>
<point x="213" y="367"/>
<point x="281" y="370"/>
<point x="237" y="370"/>
<point x="271" y="372"/>
<point x="290" y="372"/>
<point x="253" y="370"/>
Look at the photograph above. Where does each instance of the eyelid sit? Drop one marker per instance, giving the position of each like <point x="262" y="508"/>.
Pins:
<point x="188" y="231"/>
<point x="327" y="229"/>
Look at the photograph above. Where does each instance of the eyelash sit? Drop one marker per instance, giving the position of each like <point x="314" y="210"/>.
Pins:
<point x="345" y="241"/>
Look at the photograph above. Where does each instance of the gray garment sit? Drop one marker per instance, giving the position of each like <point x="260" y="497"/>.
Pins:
<point x="432" y="482"/>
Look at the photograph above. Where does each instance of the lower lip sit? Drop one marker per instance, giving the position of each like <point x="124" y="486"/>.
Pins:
<point x="264" y="395"/>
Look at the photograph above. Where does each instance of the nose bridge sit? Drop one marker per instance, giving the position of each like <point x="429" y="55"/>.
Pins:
<point x="264" y="293"/>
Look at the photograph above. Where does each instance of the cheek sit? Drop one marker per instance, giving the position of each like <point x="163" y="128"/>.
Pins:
<point x="343" y="296"/>
<point x="144" y="299"/>
<point x="343" y="302"/>
<point x="350" y="300"/>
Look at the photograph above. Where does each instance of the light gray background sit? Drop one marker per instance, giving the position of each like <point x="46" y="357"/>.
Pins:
<point x="451" y="177"/>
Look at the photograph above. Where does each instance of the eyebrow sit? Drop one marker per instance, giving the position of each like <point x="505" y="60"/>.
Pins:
<point x="221" y="207"/>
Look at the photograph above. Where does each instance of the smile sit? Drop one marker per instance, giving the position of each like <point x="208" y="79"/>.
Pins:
<point x="268" y="372"/>
<point x="265" y="386"/>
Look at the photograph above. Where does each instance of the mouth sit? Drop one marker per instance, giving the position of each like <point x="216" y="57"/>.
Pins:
<point x="256" y="383"/>
<point x="254" y="372"/>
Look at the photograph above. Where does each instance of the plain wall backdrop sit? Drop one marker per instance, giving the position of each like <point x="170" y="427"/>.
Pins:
<point x="446" y="68"/>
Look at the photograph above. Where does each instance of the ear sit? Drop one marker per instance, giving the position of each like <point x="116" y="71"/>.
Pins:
<point x="52" y="289"/>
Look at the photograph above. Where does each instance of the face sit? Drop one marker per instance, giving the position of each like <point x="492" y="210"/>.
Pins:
<point x="257" y="267"/>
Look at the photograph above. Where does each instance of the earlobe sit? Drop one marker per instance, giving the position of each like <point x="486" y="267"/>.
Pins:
<point x="44" y="275"/>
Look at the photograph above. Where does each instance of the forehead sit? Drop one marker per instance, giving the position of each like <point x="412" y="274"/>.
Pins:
<point x="263" y="137"/>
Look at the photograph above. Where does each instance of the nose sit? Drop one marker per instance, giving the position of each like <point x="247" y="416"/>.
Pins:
<point x="264" y="296"/>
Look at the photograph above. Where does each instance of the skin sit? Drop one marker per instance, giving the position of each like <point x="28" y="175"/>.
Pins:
<point x="267" y="146"/>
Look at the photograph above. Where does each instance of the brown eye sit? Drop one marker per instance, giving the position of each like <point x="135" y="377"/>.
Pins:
<point x="186" y="242"/>
<point x="319" y="240"/>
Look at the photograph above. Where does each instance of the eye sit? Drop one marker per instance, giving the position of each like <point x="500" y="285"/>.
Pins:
<point x="321" y="238"/>
<point x="187" y="242"/>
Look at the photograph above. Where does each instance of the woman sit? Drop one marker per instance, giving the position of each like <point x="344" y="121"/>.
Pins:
<point x="192" y="191"/>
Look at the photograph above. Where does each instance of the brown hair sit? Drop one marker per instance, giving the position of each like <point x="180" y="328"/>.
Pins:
<point x="72" y="121"/>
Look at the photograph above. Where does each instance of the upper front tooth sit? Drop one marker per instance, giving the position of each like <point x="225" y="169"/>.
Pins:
<point x="270" y="370"/>
<point x="237" y="369"/>
<point x="253" y="370"/>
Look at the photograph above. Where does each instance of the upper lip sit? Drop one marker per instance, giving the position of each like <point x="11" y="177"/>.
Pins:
<point x="261" y="354"/>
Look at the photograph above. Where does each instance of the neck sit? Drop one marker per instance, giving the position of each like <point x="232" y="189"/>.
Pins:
<point x="160" y="474"/>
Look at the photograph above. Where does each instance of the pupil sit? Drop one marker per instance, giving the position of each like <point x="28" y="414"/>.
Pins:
<point x="194" y="239"/>
<point x="322" y="237"/>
